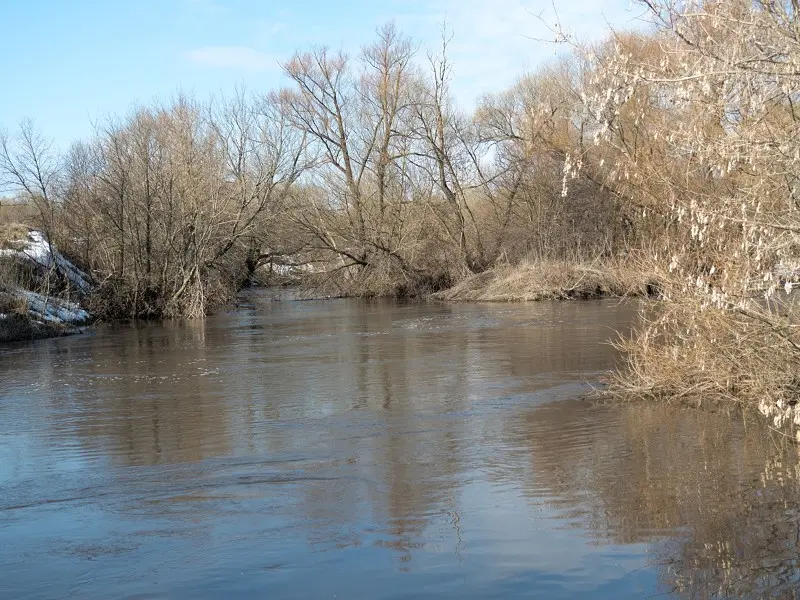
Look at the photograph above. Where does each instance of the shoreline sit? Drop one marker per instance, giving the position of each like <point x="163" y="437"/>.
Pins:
<point x="18" y="327"/>
<point x="526" y="282"/>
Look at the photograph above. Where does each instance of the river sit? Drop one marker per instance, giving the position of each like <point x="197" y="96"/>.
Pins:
<point x="374" y="449"/>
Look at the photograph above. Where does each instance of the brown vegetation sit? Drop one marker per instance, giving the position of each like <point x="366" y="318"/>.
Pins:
<point x="550" y="280"/>
<point x="700" y="122"/>
<point x="711" y="357"/>
<point x="15" y="214"/>
<point x="362" y="174"/>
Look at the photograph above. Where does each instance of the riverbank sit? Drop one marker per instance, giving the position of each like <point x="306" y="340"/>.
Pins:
<point x="19" y="327"/>
<point x="40" y="289"/>
<point x="26" y="315"/>
<point x="550" y="280"/>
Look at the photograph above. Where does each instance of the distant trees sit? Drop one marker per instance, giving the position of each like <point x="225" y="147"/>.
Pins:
<point x="362" y="167"/>
<point x="556" y="205"/>
<point x="166" y="206"/>
<point x="355" y="210"/>
<point x="409" y="192"/>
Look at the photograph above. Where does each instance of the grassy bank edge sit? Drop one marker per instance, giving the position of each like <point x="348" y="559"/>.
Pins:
<point x="17" y="327"/>
<point x="552" y="280"/>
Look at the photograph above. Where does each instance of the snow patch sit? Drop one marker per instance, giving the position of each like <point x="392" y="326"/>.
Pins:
<point x="53" y="310"/>
<point x="290" y="269"/>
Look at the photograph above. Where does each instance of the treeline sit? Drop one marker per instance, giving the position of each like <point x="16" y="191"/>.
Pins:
<point x="674" y="150"/>
<point x="363" y="169"/>
<point x="163" y="207"/>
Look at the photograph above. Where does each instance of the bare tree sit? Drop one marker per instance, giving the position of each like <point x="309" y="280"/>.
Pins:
<point x="29" y="164"/>
<point x="358" y="118"/>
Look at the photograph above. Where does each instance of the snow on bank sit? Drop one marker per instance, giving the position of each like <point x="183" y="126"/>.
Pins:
<point x="53" y="310"/>
<point x="292" y="270"/>
<point x="39" y="251"/>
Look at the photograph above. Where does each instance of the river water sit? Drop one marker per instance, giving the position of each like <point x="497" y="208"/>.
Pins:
<point x="371" y="449"/>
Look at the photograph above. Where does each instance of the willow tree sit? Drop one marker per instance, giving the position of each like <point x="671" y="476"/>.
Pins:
<point x="726" y="75"/>
<point x="173" y="199"/>
<point x="558" y="204"/>
<point x="386" y="201"/>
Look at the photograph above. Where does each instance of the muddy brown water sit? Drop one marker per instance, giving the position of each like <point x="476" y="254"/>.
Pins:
<point x="355" y="449"/>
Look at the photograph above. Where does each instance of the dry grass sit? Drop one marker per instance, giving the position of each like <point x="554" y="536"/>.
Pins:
<point x="17" y="212"/>
<point x="13" y="235"/>
<point x="550" y="280"/>
<point x="10" y="303"/>
<point x="746" y="358"/>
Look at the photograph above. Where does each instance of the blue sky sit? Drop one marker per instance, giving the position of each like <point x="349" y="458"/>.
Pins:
<point x="67" y="63"/>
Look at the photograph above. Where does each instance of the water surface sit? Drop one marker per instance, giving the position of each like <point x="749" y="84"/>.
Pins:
<point x="355" y="449"/>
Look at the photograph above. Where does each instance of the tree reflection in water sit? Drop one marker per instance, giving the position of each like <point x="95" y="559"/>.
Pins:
<point x="716" y="497"/>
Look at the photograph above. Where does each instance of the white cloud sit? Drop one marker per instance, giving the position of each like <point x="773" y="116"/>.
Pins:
<point x="496" y="42"/>
<point x="240" y="58"/>
<point x="493" y="43"/>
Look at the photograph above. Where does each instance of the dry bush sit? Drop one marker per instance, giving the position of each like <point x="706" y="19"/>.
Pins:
<point x="702" y="355"/>
<point x="423" y="262"/>
<point x="538" y="203"/>
<point x="24" y="274"/>
<point x="166" y="206"/>
<point x="13" y="235"/>
<point x="382" y="278"/>
<point x="11" y="303"/>
<point x="698" y="124"/>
